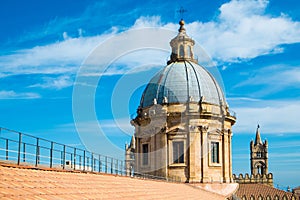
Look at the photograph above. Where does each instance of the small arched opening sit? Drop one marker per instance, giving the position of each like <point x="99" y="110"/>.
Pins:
<point x="181" y="51"/>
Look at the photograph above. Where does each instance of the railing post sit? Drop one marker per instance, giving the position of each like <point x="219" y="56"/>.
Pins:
<point x="87" y="163"/>
<point x="112" y="166"/>
<point x="79" y="161"/>
<point x="74" y="158"/>
<point x="121" y="167"/>
<point x="92" y="162"/>
<point x="117" y="169"/>
<point x="37" y="153"/>
<point x="100" y="164"/>
<point x="71" y="160"/>
<point x="64" y="157"/>
<point x="106" y="164"/>
<point x="6" y="151"/>
<point x="19" y="148"/>
<point x="24" y="149"/>
<point x="61" y="158"/>
<point x="51" y="155"/>
<point x="83" y="160"/>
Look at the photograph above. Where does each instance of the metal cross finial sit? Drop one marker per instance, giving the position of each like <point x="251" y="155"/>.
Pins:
<point x="181" y="11"/>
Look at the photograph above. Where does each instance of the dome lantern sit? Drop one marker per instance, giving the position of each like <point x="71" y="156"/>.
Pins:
<point x="182" y="46"/>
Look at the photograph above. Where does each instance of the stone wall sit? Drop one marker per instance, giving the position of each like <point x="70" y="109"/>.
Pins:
<point x="264" y="179"/>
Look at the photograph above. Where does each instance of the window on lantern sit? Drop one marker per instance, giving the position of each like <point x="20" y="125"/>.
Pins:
<point x="215" y="152"/>
<point x="181" y="51"/>
<point x="145" y="148"/>
<point x="188" y="53"/>
<point x="178" y="152"/>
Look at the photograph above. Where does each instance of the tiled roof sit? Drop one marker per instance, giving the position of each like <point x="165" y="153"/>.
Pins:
<point x="259" y="189"/>
<point x="28" y="183"/>
<point x="297" y="188"/>
<point x="226" y="189"/>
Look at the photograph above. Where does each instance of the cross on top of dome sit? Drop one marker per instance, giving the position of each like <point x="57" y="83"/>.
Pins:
<point x="181" y="11"/>
<point x="182" y="46"/>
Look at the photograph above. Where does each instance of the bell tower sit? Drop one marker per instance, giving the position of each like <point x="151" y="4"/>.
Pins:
<point x="259" y="155"/>
<point x="258" y="164"/>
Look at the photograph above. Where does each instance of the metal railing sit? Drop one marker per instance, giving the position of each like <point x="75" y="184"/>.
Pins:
<point x="24" y="149"/>
<point x="153" y="177"/>
<point x="232" y="113"/>
<point x="21" y="148"/>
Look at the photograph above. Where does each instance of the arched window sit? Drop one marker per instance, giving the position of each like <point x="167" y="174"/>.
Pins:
<point x="258" y="154"/>
<point x="181" y="51"/>
<point x="258" y="169"/>
<point x="188" y="53"/>
<point x="191" y="52"/>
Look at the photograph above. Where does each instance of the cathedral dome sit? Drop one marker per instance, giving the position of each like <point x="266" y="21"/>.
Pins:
<point x="180" y="82"/>
<point x="182" y="114"/>
<point x="183" y="79"/>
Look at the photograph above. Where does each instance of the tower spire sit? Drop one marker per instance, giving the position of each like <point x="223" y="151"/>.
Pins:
<point x="257" y="137"/>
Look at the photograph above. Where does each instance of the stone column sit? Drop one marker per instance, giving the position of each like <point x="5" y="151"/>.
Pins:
<point x="163" y="157"/>
<point x="226" y="157"/>
<point x="230" y="154"/>
<point x="204" y="155"/>
<point x="194" y="155"/>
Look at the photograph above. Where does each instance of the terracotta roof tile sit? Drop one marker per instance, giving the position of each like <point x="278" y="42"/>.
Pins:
<point x="29" y="183"/>
<point x="259" y="189"/>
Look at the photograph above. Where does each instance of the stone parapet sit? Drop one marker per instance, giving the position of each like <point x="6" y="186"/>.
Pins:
<point x="258" y="178"/>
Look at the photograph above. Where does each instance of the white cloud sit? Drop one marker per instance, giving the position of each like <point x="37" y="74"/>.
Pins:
<point x="80" y="32"/>
<point x="58" y="83"/>
<point x="242" y="99"/>
<point x="116" y="125"/>
<point x="13" y="95"/>
<point x="150" y="21"/>
<point x="101" y="131"/>
<point x="65" y="35"/>
<point x="275" y="117"/>
<point x="273" y="79"/>
<point x="242" y="30"/>
<point x="57" y="58"/>
<point x="237" y="9"/>
<point x="111" y="127"/>
<point x="277" y="76"/>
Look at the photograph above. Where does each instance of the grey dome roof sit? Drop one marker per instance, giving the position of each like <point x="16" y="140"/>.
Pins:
<point x="180" y="82"/>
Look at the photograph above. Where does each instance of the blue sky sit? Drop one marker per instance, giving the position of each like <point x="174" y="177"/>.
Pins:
<point x="254" y="46"/>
